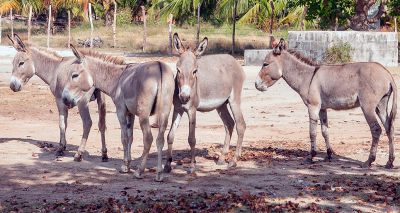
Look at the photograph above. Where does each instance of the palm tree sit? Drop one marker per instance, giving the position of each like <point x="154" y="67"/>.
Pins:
<point x="180" y="9"/>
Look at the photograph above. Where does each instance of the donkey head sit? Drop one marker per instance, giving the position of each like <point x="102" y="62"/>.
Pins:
<point x="23" y="67"/>
<point x="271" y="70"/>
<point x="187" y="67"/>
<point x="79" y="80"/>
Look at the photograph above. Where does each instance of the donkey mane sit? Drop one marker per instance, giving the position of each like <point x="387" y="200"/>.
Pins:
<point x="49" y="53"/>
<point x="300" y="56"/>
<point x="107" y="58"/>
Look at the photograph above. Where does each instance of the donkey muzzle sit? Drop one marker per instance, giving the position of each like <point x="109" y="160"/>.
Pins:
<point x="259" y="84"/>
<point x="15" y="84"/>
<point x="67" y="99"/>
<point x="184" y="94"/>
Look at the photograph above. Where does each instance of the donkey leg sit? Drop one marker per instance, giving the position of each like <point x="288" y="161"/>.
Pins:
<point x="147" y="141"/>
<point x="382" y="111"/>
<point x="240" y="129"/>
<point x="87" y="124"/>
<point x="229" y="123"/>
<point x="313" y="113"/>
<point x="121" y="113"/>
<point x="163" y="122"/>
<point x="376" y="131"/>
<point x="101" y="104"/>
<point x="323" y="116"/>
<point x="176" y="118"/>
<point x="63" y="117"/>
<point x="192" y="139"/>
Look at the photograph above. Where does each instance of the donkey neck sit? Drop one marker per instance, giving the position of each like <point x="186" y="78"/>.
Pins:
<point x="297" y="73"/>
<point x="45" y="64"/>
<point x="105" y="75"/>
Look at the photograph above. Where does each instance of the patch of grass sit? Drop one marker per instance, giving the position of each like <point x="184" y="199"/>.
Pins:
<point x="130" y="36"/>
<point x="338" y="53"/>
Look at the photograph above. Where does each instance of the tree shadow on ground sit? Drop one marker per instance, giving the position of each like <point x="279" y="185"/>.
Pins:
<point x="265" y="178"/>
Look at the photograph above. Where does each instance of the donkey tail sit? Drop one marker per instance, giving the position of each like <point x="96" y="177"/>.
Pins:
<point x="159" y="97"/>
<point x="394" y="107"/>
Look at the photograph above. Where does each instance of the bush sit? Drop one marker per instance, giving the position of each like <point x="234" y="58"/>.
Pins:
<point x="339" y="53"/>
<point x="124" y="17"/>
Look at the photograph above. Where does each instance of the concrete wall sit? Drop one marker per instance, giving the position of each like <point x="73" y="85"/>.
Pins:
<point x="255" y="57"/>
<point x="379" y="47"/>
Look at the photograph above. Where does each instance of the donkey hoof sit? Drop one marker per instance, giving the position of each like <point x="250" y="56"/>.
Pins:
<point x="232" y="164"/>
<point x="124" y="169"/>
<point x="328" y="159"/>
<point x="138" y="174"/>
<point x="78" y="157"/>
<point x="159" y="177"/>
<point x="366" y="164"/>
<point x="389" y="165"/>
<point x="221" y="161"/>
<point x="167" y="169"/>
<point x="308" y="160"/>
<point x="192" y="170"/>
<point x="59" y="152"/>
<point x="104" y="158"/>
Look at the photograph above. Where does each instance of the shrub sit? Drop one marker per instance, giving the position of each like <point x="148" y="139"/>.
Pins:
<point x="338" y="53"/>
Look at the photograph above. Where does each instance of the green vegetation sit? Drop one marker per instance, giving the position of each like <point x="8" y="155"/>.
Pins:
<point x="338" y="53"/>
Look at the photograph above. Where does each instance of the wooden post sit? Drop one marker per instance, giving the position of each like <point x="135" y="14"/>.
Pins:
<point x="115" y="24"/>
<point x="91" y="25"/>
<point x="303" y="16"/>
<point x="170" y="19"/>
<point x="1" y="28"/>
<point x="69" y="28"/>
<point x="272" y="16"/>
<point x="234" y="25"/>
<point x="198" y="23"/>
<point x="12" y="24"/>
<point x="48" y="27"/>
<point x="144" y="28"/>
<point x="29" y="23"/>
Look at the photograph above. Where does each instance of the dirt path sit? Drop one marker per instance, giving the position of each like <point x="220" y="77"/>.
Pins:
<point x="271" y="174"/>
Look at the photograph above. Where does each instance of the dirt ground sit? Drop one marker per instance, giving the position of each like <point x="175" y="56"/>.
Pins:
<point x="271" y="175"/>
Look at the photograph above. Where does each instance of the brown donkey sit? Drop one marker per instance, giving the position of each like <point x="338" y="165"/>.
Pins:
<point x="136" y="89"/>
<point x="204" y="84"/>
<point x="365" y="84"/>
<point x="51" y="68"/>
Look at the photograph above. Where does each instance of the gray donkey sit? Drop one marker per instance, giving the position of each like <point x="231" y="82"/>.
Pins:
<point x="136" y="89"/>
<point x="204" y="84"/>
<point x="51" y="68"/>
<point x="365" y="84"/>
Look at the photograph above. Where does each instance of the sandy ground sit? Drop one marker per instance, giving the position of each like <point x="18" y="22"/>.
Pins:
<point x="271" y="172"/>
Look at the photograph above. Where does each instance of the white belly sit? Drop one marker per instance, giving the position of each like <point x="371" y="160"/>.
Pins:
<point x="210" y="104"/>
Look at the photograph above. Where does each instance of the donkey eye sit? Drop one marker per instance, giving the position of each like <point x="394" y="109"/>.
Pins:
<point x="265" y="64"/>
<point x="21" y="63"/>
<point x="195" y="71"/>
<point x="74" y="76"/>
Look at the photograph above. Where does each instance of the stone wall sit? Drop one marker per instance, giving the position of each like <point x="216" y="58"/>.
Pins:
<point x="379" y="47"/>
<point x="255" y="57"/>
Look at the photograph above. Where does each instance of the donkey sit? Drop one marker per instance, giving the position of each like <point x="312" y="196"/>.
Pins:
<point x="50" y="67"/>
<point x="136" y="89"/>
<point x="205" y="84"/>
<point x="365" y="84"/>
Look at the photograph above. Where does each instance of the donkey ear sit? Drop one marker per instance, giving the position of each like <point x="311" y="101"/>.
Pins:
<point x="21" y="45"/>
<point x="279" y="47"/>
<point x="77" y="54"/>
<point x="11" y="39"/>
<point x="178" y="44"/>
<point x="202" y="47"/>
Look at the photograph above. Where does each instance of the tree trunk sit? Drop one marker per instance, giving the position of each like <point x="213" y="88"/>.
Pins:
<point x="303" y="16"/>
<point x="360" y="20"/>
<point x="170" y="33"/>
<point x="48" y="27"/>
<point x="12" y="24"/>
<point x="91" y="25"/>
<point x="69" y="28"/>
<point x="115" y="24"/>
<point x="272" y="16"/>
<point x="234" y="26"/>
<point x="198" y="23"/>
<point x="144" y="28"/>
<point x="1" y="28"/>
<point x="29" y="23"/>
